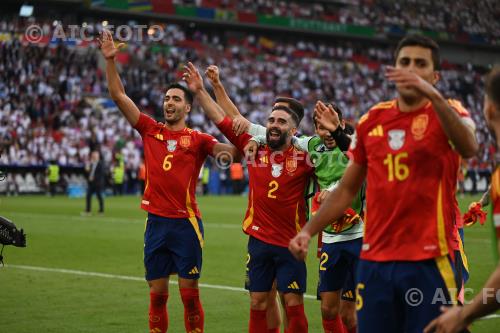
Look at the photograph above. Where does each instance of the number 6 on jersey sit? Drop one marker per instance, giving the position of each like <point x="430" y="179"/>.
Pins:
<point x="167" y="164"/>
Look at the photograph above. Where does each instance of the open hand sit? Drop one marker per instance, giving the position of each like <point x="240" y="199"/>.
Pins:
<point x="404" y="78"/>
<point x="326" y="116"/>
<point x="240" y="125"/>
<point x="193" y="78"/>
<point x="107" y="45"/>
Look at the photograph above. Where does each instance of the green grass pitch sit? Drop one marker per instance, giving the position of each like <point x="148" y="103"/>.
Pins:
<point x="116" y="300"/>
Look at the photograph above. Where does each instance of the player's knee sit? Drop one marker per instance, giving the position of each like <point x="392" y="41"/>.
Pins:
<point x="158" y="286"/>
<point x="329" y="310"/>
<point x="258" y="302"/>
<point x="348" y="318"/>
<point x="188" y="283"/>
<point x="292" y="299"/>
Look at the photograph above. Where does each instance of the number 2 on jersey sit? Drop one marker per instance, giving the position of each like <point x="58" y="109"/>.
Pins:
<point x="167" y="164"/>
<point x="273" y="188"/>
<point x="396" y="168"/>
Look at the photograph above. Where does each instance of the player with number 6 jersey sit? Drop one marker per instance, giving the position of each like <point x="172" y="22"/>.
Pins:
<point x="174" y="154"/>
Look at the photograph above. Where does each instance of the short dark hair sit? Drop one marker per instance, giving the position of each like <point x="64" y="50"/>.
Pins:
<point x="187" y="93"/>
<point x="493" y="86"/>
<point x="422" y="41"/>
<point x="294" y="105"/>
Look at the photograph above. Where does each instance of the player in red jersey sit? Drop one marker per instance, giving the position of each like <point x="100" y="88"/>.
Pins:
<point x="240" y="125"/>
<point x="457" y="318"/>
<point x="174" y="154"/>
<point x="276" y="209"/>
<point x="406" y="150"/>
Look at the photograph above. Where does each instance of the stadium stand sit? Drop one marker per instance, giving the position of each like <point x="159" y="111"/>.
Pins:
<point x="53" y="95"/>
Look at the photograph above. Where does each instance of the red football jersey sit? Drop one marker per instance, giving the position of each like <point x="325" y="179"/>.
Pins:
<point x="277" y="180"/>
<point x="411" y="183"/>
<point x="495" y="199"/>
<point x="173" y="161"/>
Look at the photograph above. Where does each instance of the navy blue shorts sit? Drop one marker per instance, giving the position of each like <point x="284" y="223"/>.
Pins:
<point x="337" y="267"/>
<point x="404" y="296"/>
<point x="172" y="245"/>
<point x="266" y="262"/>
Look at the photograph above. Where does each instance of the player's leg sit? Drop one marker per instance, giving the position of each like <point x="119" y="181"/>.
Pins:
<point x="332" y="274"/>
<point x="159" y="265"/>
<point x="351" y="253"/>
<point x="375" y="298"/>
<point x="100" y="199"/>
<point x="291" y="279"/>
<point x="186" y="245"/>
<point x="330" y="312"/>
<point x="424" y="287"/>
<point x="88" y="198"/>
<point x="273" y="315"/>
<point x="348" y="313"/>
<point x="158" y="296"/>
<point x="194" y="315"/>
<point x="259" y="281"/>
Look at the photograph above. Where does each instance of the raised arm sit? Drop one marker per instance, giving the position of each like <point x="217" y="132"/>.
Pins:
<point x="240" y="124"/>
<point x="327" y="117"/>
<point x="115" y="86"/>
<point x="194" y="81"/>
<point x="221" y="96"/>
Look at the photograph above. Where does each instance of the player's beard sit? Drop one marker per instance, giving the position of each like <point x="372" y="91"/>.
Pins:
<point x="276" y="144"/>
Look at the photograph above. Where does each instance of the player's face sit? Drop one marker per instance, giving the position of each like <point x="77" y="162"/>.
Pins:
<point x="325" y="136"/>
<point x="418" y="60"/>
<point x="175" y="107"/>
<point x="280" y="127"/>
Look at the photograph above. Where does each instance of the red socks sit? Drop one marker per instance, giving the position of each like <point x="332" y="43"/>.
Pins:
<point x="273" y="330"/>
<point x="194" y="317"/>
<point x="258" y="321"/>
<point x="297" y="321"/>
<point x="352" y="330"/>
<point x="158" y="317"/>
<point x="334" y="325"/>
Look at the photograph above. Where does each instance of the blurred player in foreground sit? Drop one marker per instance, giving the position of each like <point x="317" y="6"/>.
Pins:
<point x="487" y="301"/>
<point x="405" y="256"/>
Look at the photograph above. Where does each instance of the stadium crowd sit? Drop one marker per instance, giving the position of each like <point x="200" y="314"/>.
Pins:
<point x="459" y="18"/>
<point x="51" y="95"/>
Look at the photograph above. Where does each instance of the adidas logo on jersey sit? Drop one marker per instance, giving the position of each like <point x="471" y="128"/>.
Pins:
<point x="294" y="285"/>
<point x="377" y="131"/>
<point x="194" y="271"/>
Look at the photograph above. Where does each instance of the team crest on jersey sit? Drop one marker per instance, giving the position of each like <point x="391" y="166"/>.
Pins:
<point x="276" y="170"/>
<point x="185" y="141"/>
<point x="291" y="164"/>
<point x="171" y="145"/>
<point x="396" y="139"/>
<point x="419" y="126"/>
